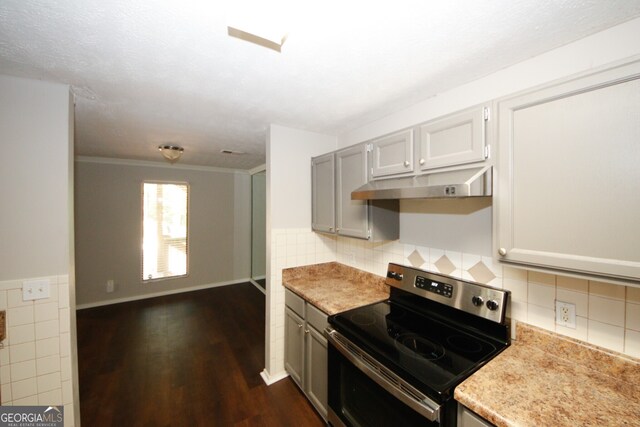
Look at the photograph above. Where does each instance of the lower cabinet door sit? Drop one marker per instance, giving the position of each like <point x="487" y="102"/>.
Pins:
<point x="316" y="375"/>
<point x="294" y="345"/>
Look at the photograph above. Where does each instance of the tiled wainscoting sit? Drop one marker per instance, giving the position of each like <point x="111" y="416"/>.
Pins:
<point x="35" y="360"/>
<point x="608" y="315"/>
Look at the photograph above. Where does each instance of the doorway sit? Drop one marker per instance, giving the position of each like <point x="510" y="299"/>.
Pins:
<point x="258" y="228"/>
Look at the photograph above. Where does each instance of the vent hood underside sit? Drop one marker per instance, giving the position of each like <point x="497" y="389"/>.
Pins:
<point x="471" y="182"/>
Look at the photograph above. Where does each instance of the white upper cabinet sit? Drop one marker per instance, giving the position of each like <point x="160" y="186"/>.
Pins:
<point x="351" y="173"/>
<point x="392" y="154"/>
<point x="323" y="193"/>
<point x="569" y="176"/>
<point x="454" y="140"/>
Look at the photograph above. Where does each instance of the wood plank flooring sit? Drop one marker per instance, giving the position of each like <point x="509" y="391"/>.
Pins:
<point x="190" y="359"/>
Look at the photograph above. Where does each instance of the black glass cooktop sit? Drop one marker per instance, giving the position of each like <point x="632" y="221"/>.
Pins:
<point x="431" y="354"/>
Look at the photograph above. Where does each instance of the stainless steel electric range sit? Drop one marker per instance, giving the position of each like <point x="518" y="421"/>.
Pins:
<point x="397" y="362"/>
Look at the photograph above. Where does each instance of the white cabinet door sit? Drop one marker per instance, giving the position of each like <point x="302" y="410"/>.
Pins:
<point x="322" y="193"/>
<point x="569" y="176"/>
<point x="351" y="172"/>
<point x="454" y="140"/>
<point x="392" y="154"/>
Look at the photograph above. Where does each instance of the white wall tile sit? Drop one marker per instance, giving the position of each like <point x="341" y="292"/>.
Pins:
<point x="47" y="329"/>
<point x="23" y="370"/>
<point x="48" y="347"/>
<point x="605" y="335"/>
<point x="20" y="315"/>
<point x="606" y="310"/>
<point x="50" y="398"/>
<point x="26" y="401"/>
<point x="631" y="343"/>
<point x="633" y="316"/>
<point x="49" y="382"/>
<point x="6" y="394"/>
<point x="24" y="388"/>
<point x="21" y="334"/>
<point x="541" y="317"/>
<point x="581" y="332"/>
<point x="541" y="295"/>
<point x="48" y="365"/>
<point x="47" y="311"/>
<point x="14" y="299"/>
<point x="22" y="352"/>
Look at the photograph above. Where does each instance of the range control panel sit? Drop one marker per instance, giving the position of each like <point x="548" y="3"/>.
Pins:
<point x="443" y="289"/>
<point x="473" y="298"/>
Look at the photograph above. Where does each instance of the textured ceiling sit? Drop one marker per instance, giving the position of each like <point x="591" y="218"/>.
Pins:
<point x="146" y="73"/>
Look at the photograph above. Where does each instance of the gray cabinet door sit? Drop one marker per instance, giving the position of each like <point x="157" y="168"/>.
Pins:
<point x="317" y="373"/>
<point x="294" y="345"/>
<point x="323" y="193"/>
<point x="392" y="154"/>
<point x="351" y="173"/>
<point x="467" y="418"/>
<point x="453" y="140"/>
<point x="569" y="175"/>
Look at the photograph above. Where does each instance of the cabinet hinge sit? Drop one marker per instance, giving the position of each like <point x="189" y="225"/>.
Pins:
<point x="369" y="148"/>
<point x="487" y="114"/>
<point x="369" y="234"/>
<point x="487" y="151"/>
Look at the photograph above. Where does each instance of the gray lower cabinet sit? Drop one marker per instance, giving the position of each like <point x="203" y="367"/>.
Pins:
<point x="468" y="418"/>
<point x="568" y="186"/>
<point x="306" y="349"/>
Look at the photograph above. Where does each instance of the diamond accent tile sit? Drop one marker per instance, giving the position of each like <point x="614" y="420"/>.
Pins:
<point x="481" y="273"/>
<point x="416" y="259"/>
<point x="444" y="265"/>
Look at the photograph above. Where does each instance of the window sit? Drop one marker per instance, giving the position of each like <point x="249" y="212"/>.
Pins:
<point x="164" y="230"/>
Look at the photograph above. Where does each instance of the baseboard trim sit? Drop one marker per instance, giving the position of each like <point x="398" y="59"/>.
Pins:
<point x="272" y="379"/>
<point x="160" y="294"/>
<point x="260" y="288"/>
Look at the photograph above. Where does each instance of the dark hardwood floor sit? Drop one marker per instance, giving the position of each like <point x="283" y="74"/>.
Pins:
<point x="191" y="359"/>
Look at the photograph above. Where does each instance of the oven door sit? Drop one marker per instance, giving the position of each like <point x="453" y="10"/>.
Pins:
<point x="362" y="392"/>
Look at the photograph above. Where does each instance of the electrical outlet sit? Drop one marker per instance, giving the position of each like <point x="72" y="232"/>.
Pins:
<point x="110" y="286"/>
<point x="566" y="314"/>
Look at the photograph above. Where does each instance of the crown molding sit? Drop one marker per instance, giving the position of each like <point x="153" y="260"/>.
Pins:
<point x="146" y="163"/>
<point x="258" y="169"/>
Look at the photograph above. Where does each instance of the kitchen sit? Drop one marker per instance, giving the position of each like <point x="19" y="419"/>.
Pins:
<point x="290" y="241"/>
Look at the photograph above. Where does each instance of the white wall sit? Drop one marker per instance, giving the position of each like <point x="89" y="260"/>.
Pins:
<point x="289" y="153"/>
<point x="38" y="364"/>
<point x="109" y="228"/>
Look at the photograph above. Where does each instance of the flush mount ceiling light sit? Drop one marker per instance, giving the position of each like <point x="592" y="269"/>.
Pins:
<point x="171" y="152"/>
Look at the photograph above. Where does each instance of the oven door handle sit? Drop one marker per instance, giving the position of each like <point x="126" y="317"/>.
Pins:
<point x="384" y="377"/>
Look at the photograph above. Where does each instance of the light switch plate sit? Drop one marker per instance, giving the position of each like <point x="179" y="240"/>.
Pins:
<point x="36" y="289"/>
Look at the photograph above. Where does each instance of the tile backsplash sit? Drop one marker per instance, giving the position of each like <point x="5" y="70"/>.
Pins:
<point x="608" y="315"/>
<point x="35" y="359"/>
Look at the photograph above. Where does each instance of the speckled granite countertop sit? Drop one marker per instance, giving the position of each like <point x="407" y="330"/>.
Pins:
<point x="335" y="287"/>
<point x="545" y="379"/>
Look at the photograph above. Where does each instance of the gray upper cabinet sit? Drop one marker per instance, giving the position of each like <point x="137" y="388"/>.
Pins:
<point x="371" y="220"/>
<point x="351" y="173"/>
<point x="454" y="140"/>
<point x="323" y="193"/>
<point x="392" y="154"/>
<point x="569" y="176"/>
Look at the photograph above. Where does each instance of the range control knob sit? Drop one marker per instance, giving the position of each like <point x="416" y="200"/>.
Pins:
<point x="492" y="305"/>
<point x="394" y="275"/>
<point x="477" y="301"/>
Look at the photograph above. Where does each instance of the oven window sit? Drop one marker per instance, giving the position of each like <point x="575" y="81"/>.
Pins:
<point x="361" y="402"/>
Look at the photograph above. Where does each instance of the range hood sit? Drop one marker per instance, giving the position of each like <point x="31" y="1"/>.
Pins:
<point x="470" y="182"/>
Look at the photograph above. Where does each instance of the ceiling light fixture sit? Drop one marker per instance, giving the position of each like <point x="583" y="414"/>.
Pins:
<point x="171" y="152"/>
